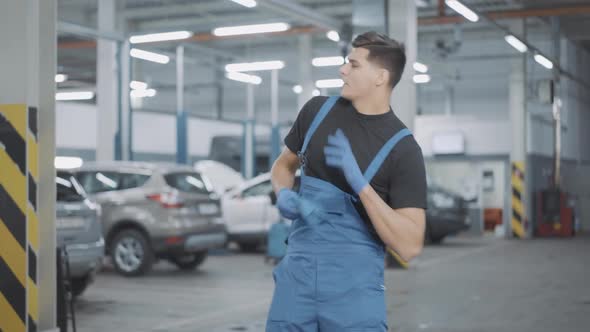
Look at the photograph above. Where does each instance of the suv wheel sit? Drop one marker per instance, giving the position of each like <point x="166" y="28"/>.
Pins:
<point x="189" y="261"/>
<point x="131" y="253"/>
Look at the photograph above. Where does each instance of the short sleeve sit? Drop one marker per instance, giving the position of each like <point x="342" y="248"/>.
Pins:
<point x="407" y="188"/>
<point x="296" y="136"/>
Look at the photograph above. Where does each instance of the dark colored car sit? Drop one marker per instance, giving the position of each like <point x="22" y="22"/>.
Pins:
<point x="446" y="214"/>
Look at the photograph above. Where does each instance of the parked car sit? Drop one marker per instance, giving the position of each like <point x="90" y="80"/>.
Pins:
<point x="154" y="211"/>
<point x="446" y="214"/>
<point x="249" y="211"/>
<point x="222" y="177"/>
<point x="78" y="231"/>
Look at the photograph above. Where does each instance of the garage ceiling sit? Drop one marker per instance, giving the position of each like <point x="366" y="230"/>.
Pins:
<point x="76" y="56"/>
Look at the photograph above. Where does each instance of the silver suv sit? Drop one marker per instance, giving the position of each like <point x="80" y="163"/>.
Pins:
<point x="154" y="210"/>
<point x="78" y="231"/>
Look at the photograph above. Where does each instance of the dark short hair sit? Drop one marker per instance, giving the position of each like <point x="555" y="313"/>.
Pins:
<point x="386" y="52"/>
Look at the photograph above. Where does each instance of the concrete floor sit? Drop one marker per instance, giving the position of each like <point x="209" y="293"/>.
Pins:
<point x="466" y="284"/>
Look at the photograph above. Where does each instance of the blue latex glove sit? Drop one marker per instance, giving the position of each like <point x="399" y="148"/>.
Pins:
<point x="287" y="202"/>
<point x="339" y="154"/>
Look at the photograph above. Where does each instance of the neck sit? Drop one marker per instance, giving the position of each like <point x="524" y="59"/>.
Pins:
<point x="374" y="104"/>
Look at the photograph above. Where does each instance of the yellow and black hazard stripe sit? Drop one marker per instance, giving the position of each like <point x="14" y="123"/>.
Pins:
<point x="518" y="211"/>
<point x="13" y="218"/>
<point x="32" y="221"/>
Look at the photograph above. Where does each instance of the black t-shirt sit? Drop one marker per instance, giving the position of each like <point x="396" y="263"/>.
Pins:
<point x="401" y="179"/>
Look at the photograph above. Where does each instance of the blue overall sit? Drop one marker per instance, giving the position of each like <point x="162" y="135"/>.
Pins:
<point x="331" y="278"/>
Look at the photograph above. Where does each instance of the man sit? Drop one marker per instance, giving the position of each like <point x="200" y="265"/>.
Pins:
<point x="363" y="187"/>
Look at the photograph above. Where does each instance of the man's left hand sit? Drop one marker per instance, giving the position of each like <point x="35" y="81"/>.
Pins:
<point x="339" y="154"/>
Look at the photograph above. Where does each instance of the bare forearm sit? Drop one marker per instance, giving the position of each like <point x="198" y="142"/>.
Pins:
<point x="282" y="175"/>
<point x="399" y="232"/>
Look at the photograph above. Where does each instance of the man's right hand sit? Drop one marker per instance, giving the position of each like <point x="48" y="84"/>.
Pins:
<point x="287" y="202"/>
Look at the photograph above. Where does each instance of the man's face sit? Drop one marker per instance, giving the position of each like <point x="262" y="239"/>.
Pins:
<point x="359" y="75"/>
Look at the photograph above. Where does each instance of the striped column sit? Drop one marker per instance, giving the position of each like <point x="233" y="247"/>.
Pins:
<point x="32" y="221"/>
<point x="518" y="207"/>
<point x="13" y="218"/>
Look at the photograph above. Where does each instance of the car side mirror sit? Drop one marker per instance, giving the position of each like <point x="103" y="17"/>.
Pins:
<point x="273" y="197"/>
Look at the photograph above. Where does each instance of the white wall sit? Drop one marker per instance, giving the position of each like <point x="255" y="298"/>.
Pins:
<point x="75" y="125"/>
<point x="152" y="132"/>
<point x="483" y="136"/>
<point x="465" y="177"/>
<point x="494" y="198"/>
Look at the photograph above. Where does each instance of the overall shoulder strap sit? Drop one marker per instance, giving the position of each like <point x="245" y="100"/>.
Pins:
<point x="326" y="107"/>
<point x="384" y="152"/>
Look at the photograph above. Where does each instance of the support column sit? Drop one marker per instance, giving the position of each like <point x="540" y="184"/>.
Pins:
<point x="274" y="116"/>
<point x="181" y="118"/>
<point x="449" y="98"/>
<point x="557" y="101"/>
<point x="28" y="27"/>
<point x="401" y="21"/>
<point x="106" y="75"/>
<point x="517" y="223"/>
<point x="123" y="145"/>
<point x="305" y="75"/>
<point x="249" y="153"/>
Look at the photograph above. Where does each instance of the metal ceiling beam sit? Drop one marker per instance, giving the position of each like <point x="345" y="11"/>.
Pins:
<point x="203" y="37"/>
<point x="79" y="30"/>
<point x="243" y="18"/>
<point x="510" y="14"/>
<point x="305" y="14"/>
<point x="171" y="10"/>
<point x="211" y="51"/>
<point x="170" y="23"/>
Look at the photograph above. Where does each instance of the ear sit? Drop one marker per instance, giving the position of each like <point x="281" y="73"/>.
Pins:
<point x="382" y="77"/>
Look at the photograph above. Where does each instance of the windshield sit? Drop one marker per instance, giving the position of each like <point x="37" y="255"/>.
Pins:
<point x="189" y="182"/>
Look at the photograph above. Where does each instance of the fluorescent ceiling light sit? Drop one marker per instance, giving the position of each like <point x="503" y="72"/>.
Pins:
<point x="543" y="61"/>
<point x="241" y="77"/>
<point x="420" y="67"/>
<point x="74" y="95"/>
<point x="516" y="43"/>
<point x="149" y="56"/>
<point x="251" y="29"/>
<point x="460" y="8"/>
<point x="246" y="3"/>
<point x="142" y="93"/>
<point x="333" y="35"/>
<point x="327" y="61"/>
<point x="333" y="83"/>
<point x="255" y="66"/>
<point x="421" y="78"/>
<point x="157" y="37"/>
<point x="67" y="163"/>
<point x="60" y="78"/>
<point x="315" y="92"/>
<point x="297" y="89"/>
<point x="137" y="85"/>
